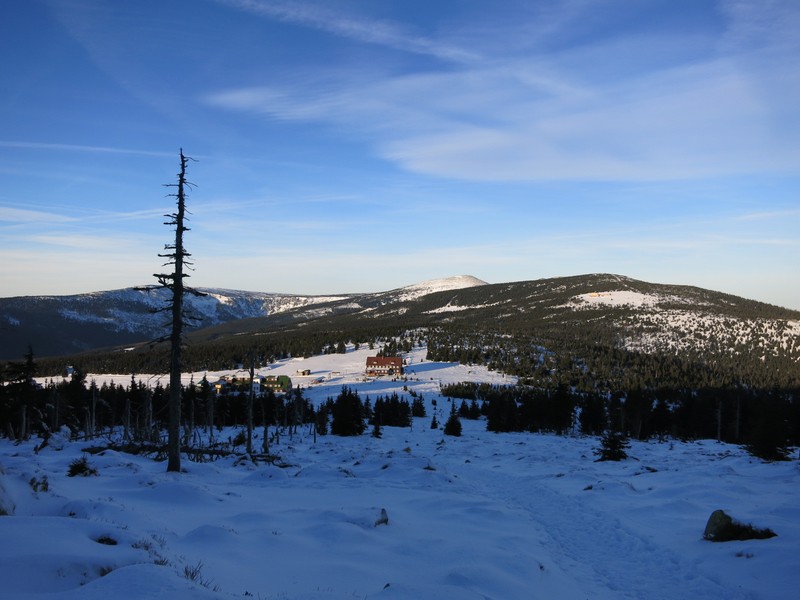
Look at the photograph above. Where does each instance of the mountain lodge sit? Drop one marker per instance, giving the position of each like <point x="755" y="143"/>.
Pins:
<point x="384" y="365"/>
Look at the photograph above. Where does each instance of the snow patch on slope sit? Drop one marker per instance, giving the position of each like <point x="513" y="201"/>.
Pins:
<point x="679" y="324"/>
<point x="616" y="298"/>
<point x="456" y="308"/>
<point x="458" y="282"/>
<point x="680" y="332"/>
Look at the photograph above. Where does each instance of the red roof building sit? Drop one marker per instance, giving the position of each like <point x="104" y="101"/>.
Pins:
<point x="384" y="365"/>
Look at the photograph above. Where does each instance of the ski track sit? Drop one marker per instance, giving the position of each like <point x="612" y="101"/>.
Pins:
<point x="595" y="547"/>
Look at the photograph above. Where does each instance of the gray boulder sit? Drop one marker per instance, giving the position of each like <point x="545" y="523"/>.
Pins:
<point x="383" y="518"/>
<point x="721" y="527"/>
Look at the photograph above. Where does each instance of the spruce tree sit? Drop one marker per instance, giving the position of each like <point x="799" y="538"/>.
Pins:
<point x="769" y="435"/>
<point x="453" y="425"/>
<point x="418" y="407"/>
<point x="23" y="386"/>
<point x="614" y="442"/>
<point x="613" y="446"/>
<point x="348" y="413"/>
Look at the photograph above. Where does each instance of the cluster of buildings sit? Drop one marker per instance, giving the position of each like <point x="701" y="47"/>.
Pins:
<point x="261" y="383"/>
<point x="377" y="366"/>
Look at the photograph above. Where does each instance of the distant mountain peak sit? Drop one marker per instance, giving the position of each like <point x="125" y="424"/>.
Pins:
<point x="456" y="282"/>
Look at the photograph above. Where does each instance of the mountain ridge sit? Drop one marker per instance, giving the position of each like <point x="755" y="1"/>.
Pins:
<point x="582" y="329"/>
<point x="66" y="324"/>
<point x="696" y="334"/>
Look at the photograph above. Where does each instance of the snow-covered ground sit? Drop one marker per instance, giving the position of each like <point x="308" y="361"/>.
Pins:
<point x="331" y="371"/>
<point x="483" y="516"/>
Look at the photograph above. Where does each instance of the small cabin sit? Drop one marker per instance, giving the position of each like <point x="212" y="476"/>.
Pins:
<point x="281" y="383"/>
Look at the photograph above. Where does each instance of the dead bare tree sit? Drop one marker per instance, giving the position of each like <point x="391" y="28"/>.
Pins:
<point x="250" y="400"/>
<point x="177" y="257"/>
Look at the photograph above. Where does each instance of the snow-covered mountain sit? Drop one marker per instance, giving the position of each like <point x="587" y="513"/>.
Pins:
<point x="644" y="316"/>
<point x="583" y="310"/>
<point x="58" y="325"/>
<point x="521" y="327"/>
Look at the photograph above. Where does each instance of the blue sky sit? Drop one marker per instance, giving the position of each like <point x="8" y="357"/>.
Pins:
<point x="363" y="145"/>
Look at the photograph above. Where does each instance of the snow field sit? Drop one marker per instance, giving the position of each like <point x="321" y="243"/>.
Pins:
<point x="497" y="516"/>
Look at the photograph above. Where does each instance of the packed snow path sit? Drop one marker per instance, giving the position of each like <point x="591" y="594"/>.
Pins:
<point x="601" y="555"/>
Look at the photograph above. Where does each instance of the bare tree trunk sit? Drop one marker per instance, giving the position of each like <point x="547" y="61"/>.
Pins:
<point x="56" y="402"/>
<point x="210" y="422"/>
<point x="265" y="443"/>
<point x="738" y="415"/>
<point x="148" y="415"/>
<point x="250" y="399"/>
<point x="127" y="421"/>
<point x="94" y="412"/>
<point x="174" y="426"/>
<point x="189" y="421"/>
<point x="23" y="424"/>
<point x="174" y="281"/>
<point x="192" y="409"/>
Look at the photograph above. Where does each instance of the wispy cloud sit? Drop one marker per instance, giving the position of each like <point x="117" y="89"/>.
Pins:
<point x="725" y="111"/>
<point x="74" y="215"/>
<point x="702" y="121"/>
<point x="9" y="214"/>
<point x="755" y="26"/>
<point x="770" y="215"/>
<point x="104" y="216"/>
<point x="82" y="242"/>
<point x="80" y="148"/>
<point x="354" y="27"/>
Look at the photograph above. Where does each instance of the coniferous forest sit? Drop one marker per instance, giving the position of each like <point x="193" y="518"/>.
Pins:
<point x="590" y="390"/>
<point x="705" y="365"/>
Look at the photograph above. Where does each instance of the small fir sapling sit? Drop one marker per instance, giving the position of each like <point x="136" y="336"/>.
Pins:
<point x="453" y="425"/>
<point x="418" y="407"/>
<point x="81" y="466"/>
<point x="614" y="442"/>
<point x="612" y="446"/>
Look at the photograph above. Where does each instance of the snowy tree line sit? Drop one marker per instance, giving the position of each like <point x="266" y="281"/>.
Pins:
<point x="766" y="421"/>
<point x="570" y="381"/>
